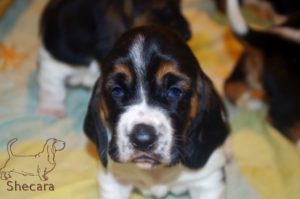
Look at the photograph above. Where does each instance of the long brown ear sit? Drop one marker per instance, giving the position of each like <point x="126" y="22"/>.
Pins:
<point x="94" y="126"/>
<point x="209" y="128"/>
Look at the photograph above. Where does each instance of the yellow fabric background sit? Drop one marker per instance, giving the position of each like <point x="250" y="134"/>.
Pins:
<point x="267" y="161"/>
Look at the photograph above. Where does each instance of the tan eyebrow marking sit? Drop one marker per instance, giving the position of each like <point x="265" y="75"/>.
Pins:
<point x="124" y="69"/>
<point x="166" y="68"/>
<point x="169" y="68"/>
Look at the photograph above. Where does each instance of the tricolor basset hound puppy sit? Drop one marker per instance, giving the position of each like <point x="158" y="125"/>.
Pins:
<point x="75" y="34"/>
<point x="156" y="119"/>
<point x="268" y="70"/>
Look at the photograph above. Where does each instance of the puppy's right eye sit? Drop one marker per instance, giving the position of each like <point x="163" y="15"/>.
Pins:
<point x="174" y="93"/>
<point x="117" y="92"/>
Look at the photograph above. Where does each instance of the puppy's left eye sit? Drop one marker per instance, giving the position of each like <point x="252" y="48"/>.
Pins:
<point x="118" y="92"/>
<point x="174" y="93"/>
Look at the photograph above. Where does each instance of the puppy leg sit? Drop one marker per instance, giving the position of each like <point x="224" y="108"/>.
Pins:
<point x="85" y="76"/>
<point x="213" y="187"/>
<point x="110" y="188"/>
<point x="51" y="79"/>
<point x="243" y="87"/>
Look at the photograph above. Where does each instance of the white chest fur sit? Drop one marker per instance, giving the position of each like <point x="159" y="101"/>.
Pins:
<point x="118" y="180"/>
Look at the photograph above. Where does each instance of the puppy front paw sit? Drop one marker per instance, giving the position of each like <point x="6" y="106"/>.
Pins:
<point x="250" y="102"/>
<point x="244" y="96"/>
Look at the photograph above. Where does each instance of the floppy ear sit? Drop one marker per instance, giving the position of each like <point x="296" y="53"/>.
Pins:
<point x="208" y="130"/>
<point x="93" y="125"/>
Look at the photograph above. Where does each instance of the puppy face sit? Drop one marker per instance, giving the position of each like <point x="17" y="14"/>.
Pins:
<point x="149" y="101"/>
<point x="160" y="12"/>
<point x="153" y="105"/>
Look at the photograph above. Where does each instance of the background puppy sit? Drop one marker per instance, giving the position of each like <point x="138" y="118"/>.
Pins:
<point x="75" y="33"/>
<point x="268" y="69"/>
<point x="275" y="10"/>
<point x="152" y="108"/>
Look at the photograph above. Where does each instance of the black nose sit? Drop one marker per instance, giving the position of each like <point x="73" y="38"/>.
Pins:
<point x="143" y="137"/>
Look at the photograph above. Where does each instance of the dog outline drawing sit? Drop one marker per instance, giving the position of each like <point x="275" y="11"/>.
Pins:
<point x="39" y="164"/>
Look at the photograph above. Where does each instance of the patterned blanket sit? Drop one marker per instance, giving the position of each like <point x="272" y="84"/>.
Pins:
<point x="265" y="166"/>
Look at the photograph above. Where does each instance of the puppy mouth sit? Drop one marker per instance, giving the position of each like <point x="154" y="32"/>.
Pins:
<point x="145" y="161"/>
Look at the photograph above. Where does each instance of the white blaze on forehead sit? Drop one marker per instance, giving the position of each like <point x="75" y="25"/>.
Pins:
<point x="136" y="55"/>
<point x="142" y="95"/>
<point x="136" y="51"/>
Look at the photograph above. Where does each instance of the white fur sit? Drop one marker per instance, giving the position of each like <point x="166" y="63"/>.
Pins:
<point x="85" y="76"/>
<point x="136" y="51"/>
<point x="111" y="188"/>
<point x="206" y="183"/>
<point x="248" y="102"/>
<point x="53" y="76"/>
<point x="235" y="17"/>
<point x="144" y="114"/>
